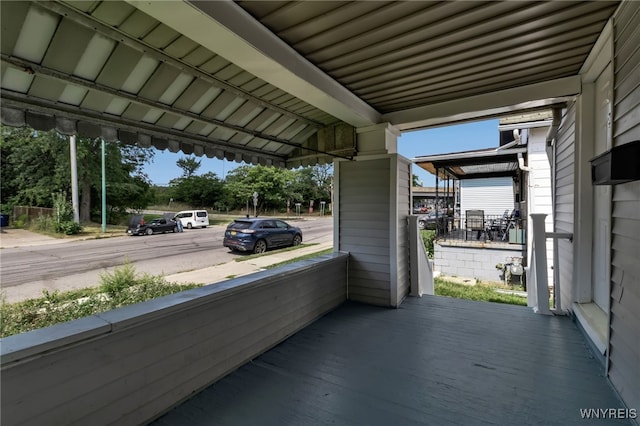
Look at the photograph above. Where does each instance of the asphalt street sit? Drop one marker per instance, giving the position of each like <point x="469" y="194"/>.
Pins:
<point x="31" y="263"/>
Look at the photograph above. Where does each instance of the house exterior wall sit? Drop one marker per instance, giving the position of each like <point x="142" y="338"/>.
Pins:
<point x="564" y="152"/>
<point x="363" y="219"/>
<point x="374" y="201"/>
<point x="402" y="207"/>
<point x="493" y="195"/>
<point x="464" y="260"/>
<point x="624" y="346"/>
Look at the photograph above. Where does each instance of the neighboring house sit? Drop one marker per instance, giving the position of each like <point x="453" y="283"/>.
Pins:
<point x="493" y="195"/>
<point x="513" y="178"/>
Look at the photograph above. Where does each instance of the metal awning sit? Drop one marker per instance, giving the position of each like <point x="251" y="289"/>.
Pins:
<point x="473" y="164"/>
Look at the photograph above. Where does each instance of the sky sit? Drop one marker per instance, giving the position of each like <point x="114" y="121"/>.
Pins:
<point x="441" y="140"/>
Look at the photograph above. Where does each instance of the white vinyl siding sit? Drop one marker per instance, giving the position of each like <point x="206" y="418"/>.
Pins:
<point x="564" y="199"/>
<point x="374" y="201"/>
<point x="364" y="228"/>
<point x="493" y="195"/>
<point x="403" y="209"/>
<point x="624" y="349"/>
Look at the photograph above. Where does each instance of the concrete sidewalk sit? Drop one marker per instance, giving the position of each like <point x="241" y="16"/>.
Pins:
<point x="239" y="267"/>
<point x="15" y="237"/>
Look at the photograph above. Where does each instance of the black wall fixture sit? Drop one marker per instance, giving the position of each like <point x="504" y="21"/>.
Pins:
<point x="618" y="165"/>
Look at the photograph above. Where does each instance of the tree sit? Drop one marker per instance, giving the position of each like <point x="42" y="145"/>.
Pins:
<point x="276" y="186"/>
<point x="36" y="165"/>
<point x="270" y="183"/>
<point x="197" y="191"/>
<point x="126" y="184"/>
<point x="189" y="166"/>
<point x="31" y="166"/>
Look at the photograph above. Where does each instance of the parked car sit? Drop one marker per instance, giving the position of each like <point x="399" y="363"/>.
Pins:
<point x="193" y="218"/>
<point x="138" y="226"/>
<point x="428" y="221"/>
<point x="259" y="235"/>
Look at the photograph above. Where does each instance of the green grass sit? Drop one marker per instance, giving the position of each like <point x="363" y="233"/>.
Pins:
<point x="476" y="292"/>
<point x="120" y="288"/>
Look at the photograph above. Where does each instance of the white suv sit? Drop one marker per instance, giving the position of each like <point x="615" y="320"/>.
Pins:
<point x="193" y="218"/>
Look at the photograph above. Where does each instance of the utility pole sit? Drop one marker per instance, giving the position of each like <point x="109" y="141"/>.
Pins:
<point x="74" y="179"/>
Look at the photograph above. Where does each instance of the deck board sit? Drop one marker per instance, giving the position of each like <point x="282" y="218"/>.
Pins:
<point x="434" y="360"/>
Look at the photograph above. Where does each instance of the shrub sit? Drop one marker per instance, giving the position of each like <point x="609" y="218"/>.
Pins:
<point x="63" y="215"/>
<point x="120" y="288"/>
<point x="43" y="223"/>
<point x="122" y="278"/>
<point x="428" y="237"/>
<point x="69" y="228"/>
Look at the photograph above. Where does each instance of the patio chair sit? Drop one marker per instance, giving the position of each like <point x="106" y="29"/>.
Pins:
<point x="512" y="223"/>
<point x="498" y="227"/>
<point x="474" y="222"/>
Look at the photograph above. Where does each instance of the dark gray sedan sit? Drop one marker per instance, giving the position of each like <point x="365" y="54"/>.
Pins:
<point x="259" y="235"/>
<point x="138" y="226"/>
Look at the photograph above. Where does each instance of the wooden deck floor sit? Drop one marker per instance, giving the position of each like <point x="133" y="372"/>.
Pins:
<point x="433" y="361"/>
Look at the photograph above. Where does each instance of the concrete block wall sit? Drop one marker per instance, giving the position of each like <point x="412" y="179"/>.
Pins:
<point x="473" y="260"/>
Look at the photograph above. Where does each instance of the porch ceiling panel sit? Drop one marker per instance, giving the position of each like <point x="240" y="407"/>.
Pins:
<point x="248" y="79"/>
<point x="436" y="50"/>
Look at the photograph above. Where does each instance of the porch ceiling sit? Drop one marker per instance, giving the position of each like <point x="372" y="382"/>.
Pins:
<point x="281" y="82"/>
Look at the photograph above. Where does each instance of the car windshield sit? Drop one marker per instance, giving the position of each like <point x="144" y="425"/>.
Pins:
<point x="240" y="224"/>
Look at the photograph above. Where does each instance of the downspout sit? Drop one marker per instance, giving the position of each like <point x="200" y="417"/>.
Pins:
<point x="521" y="165"/>
<point x="555" y="125"/>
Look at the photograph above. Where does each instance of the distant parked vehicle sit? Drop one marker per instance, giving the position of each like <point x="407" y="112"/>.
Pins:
<point x="138" y="226"/>
<point x="428" y="221"/>
<point x="259" y="235"/>
<point x="193" y="218"/>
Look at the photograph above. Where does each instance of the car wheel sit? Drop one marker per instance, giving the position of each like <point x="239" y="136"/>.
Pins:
<point x="421" y="224"/>
<point x="189" y="225"/>
<point x="260" y="247"/>
<point x="297" y="239"/>
<point x="149" y="231"/>
<point x="175" y="229"/>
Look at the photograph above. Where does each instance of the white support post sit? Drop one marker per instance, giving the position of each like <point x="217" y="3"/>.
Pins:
<point x="539" y="267"/>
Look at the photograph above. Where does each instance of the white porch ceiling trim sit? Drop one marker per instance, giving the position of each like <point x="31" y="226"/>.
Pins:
<point x="226" y="29"/>
<point x="502" y="102"/>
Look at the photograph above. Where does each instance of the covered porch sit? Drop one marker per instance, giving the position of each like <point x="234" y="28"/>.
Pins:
<point x="434" y="360"/>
